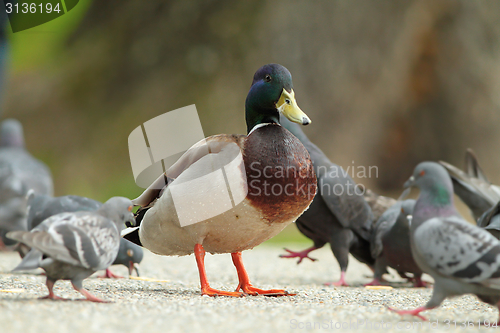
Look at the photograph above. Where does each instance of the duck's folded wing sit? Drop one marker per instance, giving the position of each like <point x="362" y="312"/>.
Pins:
<point x="459" y="250"/>
<point x="211" y="145"/>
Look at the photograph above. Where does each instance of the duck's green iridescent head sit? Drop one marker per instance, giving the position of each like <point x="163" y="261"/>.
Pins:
<point x="272" y="93"/>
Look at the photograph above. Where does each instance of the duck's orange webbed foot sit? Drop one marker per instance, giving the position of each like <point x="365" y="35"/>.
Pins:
<point x="214" y="292"/>
<point x="245" y="284"/>
<point x="251" y="290"/>
<point x="199" y="253"/>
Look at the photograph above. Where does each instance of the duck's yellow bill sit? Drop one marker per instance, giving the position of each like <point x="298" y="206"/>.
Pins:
<point x="289" y="108"/>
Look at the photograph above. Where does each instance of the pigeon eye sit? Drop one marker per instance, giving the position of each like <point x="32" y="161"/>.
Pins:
<point x="130" y="252"/>
<point x="130" y="208"/>
<point x="267" y="78"/>
<point x="422" y="173"/>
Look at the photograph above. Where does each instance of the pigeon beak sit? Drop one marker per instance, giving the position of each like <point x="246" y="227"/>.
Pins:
<point x="410" y="182"/>
<point x="130" y="267"/>
<point x="289" y="108"/>
<point x="130" y="222"/>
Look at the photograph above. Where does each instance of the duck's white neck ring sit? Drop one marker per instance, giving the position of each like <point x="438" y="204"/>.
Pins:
<point x="260" y="125"/>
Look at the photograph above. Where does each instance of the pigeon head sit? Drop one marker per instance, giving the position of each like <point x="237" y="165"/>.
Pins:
<point x="11" y="134"/>
<point x="129" y="255"/>
<point x="270" y="95"/>
<point x="407" y="207"/>
<point x="434" y="182"/>
<point x="407" y="210"/>
<point x="119" y="210"/>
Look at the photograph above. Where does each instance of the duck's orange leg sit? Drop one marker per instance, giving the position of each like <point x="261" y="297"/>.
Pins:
<point x="199" y="253"/>
<point x="244" y="281"/>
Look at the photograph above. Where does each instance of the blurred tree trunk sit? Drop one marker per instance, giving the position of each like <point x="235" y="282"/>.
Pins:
<point x="386" y="83"/>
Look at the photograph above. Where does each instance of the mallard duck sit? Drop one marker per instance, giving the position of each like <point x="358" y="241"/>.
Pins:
<point x="271" y="181"/>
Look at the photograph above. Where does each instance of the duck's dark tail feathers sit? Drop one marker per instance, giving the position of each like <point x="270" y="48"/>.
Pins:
<point x="132" y="234"/>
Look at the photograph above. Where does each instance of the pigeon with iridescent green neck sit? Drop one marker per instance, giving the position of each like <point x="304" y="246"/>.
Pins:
<point x="461" y="257"/>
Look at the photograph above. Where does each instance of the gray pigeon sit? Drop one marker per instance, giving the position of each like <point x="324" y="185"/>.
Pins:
<point x="472" y="187"/>
<point x="72" y="246"/>
<point x="390" y="244"/>
<point x="41" y="207"/>
<point x="19" y="172"/>
<point x="129" y="255"/>
<point x="461" y="257"/>
<point x="338" y="215"/>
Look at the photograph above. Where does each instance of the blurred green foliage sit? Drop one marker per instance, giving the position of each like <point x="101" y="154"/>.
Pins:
<point x="42" y="46"/>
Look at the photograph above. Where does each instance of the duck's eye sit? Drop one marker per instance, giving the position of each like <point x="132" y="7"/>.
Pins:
<point x="267" y="78"/>
<point x="287" y="101"/>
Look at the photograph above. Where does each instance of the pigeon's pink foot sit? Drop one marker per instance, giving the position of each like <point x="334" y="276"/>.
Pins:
<point x="339" y="283"/>
<point x="301" y="255"/>
<point x="418" y="283"/>
<point x="51" y="295"/>
<point x="375" y="282"/>
<point x="415" y="312"/>
<point x="89" y="296"/>
<point x="110" y="275"/>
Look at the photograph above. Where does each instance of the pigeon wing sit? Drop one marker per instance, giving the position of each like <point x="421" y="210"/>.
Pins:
<point x="345" y="201"/>
<point x="383" y="225"/>
<point x="457" y="249"/>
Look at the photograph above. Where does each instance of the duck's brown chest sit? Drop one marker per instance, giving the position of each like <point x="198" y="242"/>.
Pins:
<point x="280" y="174"/>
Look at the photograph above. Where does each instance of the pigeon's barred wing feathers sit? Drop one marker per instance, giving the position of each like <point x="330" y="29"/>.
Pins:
<point x="84" y="239"/>
<point x="457" y="249"/>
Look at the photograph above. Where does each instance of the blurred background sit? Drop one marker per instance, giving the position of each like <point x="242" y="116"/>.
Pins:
<point x="386" y="83"/>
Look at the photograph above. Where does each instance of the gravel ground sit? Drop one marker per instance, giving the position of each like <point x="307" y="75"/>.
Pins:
<point x="171" y="300"/>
